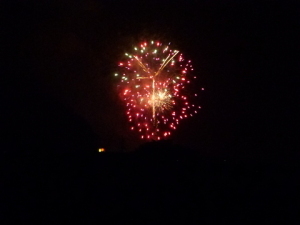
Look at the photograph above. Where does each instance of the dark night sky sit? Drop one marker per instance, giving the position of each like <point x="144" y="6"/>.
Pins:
<point x="58" y="90"/>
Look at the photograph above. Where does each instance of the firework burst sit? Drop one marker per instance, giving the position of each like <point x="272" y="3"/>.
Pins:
<point x="153" y="80"/>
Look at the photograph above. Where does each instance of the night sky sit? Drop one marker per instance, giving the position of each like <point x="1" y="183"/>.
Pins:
<point x="59" y="94"/>
<point x="236" y="162"/>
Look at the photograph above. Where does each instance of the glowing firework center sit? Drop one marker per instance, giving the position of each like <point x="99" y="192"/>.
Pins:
<point x="161" y="100"/>
<point x="151" y="83"/>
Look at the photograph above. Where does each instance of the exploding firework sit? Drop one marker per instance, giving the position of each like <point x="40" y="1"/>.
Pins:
<point x="153" y="80"/>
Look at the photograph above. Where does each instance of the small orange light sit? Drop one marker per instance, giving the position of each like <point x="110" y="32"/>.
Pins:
<point x="101" y="150"/>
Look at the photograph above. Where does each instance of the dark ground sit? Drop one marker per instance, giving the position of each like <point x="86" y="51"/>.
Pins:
<point x="236" y="163"/>
<point x="156" y="185"/>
